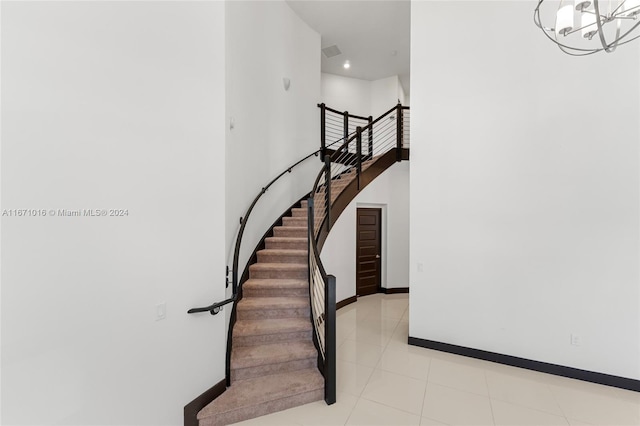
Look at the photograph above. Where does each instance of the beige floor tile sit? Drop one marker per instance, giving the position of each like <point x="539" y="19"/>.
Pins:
<point x="369" y="413"/>
<point x="394" y="390"/>
<point x="352" y="378"/>
<point x="320" y="414"/>
<point x="343" y="332"/>
<point x="415" y="365"/>
<point x="507" y="414"/>
<point x="281" y="418"/>
<point x="459" y="376"/>
<point x="378" y="338"/>
<point x="399" y="340"/>
<point x="522" y="390"/>
<point x="380" y="324"/>
<point x="573" y="422"/>
<point x="430" y="422"/>
<point x="592" y="404"/>
<point x="363" y="353"/>
<point x="456" y="407"/>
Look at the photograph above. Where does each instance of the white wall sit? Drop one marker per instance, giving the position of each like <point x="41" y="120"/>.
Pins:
<point x="346" y="94"/>
<point x="390" y="192"/>
<point x="361" y="97"/>
<point x="111" y="105"/>
<point x="384" y="94"/>
<point x="274" y="128"/>
<point x="524" y="190"/>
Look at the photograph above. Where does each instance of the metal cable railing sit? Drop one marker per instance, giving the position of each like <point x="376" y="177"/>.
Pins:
<point x="344" y="165"/>
<point x="349" y="145"/>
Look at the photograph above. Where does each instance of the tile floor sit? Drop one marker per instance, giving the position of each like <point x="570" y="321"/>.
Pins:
<point x="384" y="381"/>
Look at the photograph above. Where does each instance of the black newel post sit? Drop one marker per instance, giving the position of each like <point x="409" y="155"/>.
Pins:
<point x="345" y="124"/>
<point x="330" y="340"/>
<point x="359" y="153"/>
<point x="399" y="132"/>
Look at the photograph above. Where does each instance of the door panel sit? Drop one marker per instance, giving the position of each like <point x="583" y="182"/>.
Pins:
<point x="368" y="259"/>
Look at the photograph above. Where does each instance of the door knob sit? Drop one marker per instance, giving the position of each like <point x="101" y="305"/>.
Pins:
<point x="377" y="256"/>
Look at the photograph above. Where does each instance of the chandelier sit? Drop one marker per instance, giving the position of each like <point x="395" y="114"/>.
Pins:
<point x="584" y="27"/>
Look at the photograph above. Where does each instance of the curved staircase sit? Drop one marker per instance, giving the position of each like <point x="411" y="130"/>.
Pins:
<point x="275" y="354"/>
<point x="273" y="358"/>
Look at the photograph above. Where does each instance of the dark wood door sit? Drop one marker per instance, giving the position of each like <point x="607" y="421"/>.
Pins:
<point x="368" y="260"/>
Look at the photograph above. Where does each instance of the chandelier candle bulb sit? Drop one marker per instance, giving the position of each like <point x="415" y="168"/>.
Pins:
<point x="564" y="20"/>
<point x="589" y="28"/>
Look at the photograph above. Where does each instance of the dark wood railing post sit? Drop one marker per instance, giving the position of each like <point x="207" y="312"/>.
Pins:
<point x="323" y="132"/>
<point x="399" y="132"/>
<point x="327" y="204"/>
<point x="370" y="137"/>
<point x="330" y="340"/>
<point x="345" y="124"/>
<point x="359" y="153"/>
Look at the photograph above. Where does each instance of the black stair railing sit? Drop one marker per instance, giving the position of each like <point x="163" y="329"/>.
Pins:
<point x="342" y="139"/>
<point x="342" y="166"/>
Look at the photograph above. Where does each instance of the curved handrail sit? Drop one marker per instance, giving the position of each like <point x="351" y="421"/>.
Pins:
<point x="216" y="307"/>
<point x="245" y="218"/>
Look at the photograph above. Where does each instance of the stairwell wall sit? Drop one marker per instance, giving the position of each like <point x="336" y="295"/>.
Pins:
<point x="273" y="127"/>
<point x="111" y="105"/>
<point x="524" y="190"/>
<point x="361" y="97"/>
<point x="390" y="192"/>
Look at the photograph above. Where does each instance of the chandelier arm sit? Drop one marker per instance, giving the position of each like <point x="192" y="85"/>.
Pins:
<point x="630" y="40"/>
<point x="577" y="49"/>
<point x="628" y="32"/>
<point x="617" y="8"/>
<point x="600" y="22"/>
<point x="578" y="29"/>
<point x="604" y="43"/>
<point x="536" y="15"/>
<point x="538" y="22"/>
<point x="568" y="52"/>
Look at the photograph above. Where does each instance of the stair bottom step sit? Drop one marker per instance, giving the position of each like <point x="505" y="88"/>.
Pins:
<point x="247" y="399"/>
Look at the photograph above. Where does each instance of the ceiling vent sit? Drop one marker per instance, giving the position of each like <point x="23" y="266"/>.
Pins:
<point x="331" y="51"/>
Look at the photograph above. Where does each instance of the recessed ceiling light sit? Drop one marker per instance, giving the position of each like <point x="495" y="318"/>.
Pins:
<point x="346" y="65"/>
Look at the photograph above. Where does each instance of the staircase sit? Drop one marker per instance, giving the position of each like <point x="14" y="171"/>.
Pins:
<point x="273" y="358"/>
<point x="281" y="348"/>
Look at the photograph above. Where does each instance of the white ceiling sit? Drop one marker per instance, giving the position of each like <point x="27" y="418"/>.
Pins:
<point x="367" y="33"/>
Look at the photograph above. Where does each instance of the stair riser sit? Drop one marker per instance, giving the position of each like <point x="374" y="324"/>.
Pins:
<point x="287" y="231"/>
<point x="275" y="292"/>
<point x="253" y="314"/>
<point x="269" y="369"/>
<point x="294" y="221"/>
<point x="295" y="274"/>
<point x="264" y="339"/>
<point x="250" y="412"/>
<point x="282" y="258"/>
<point x="287" y="245"/>
<point x="299" y="212"/>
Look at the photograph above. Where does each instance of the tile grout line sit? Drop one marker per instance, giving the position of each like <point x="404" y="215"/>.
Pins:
<point x="486" y="383"/>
